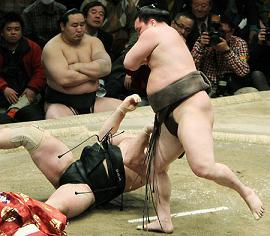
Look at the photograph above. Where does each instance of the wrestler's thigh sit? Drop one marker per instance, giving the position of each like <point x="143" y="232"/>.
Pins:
<point x="168" y="149"/>
<point x="195" y="120"/>
<point x="46" y="157"/>
<point x="106" y="104"/>
<point x="121" y="139"/>
<point x="71" y="204"/>
<point x="56" y="110"/>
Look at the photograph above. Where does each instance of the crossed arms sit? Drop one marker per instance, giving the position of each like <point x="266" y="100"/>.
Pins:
<point x="67" y="74"/>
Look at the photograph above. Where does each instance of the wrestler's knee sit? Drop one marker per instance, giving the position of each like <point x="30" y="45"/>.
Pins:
<point x="55" y="111"/>
<point x="51" y="112"/>
<point x="203" y="170"/>
<point x="29" y="137"/>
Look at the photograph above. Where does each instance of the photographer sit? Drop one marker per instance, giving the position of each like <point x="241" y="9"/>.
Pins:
<point x="222" y="57"/>
<point x="259" y="59"/>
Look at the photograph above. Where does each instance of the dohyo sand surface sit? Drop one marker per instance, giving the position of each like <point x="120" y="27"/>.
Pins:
<point x="199" y="207"/>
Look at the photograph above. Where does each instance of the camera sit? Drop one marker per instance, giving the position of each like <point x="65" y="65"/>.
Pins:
<point x="214" y="37"/>
<point x="224" y="85"/>
<point x="214" y="30"/>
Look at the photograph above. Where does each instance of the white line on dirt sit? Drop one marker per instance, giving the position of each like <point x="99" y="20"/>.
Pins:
<point x="187" y="213"/>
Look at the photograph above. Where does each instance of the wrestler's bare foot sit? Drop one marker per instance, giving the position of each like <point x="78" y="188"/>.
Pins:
<point x="254" y="203"/>
<point x="155" y="226"/>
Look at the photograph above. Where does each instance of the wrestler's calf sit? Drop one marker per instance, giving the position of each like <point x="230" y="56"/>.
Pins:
<point x="30" y="137"/>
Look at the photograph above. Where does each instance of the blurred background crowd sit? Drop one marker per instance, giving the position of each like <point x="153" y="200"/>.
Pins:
<point x="228" y="39"/>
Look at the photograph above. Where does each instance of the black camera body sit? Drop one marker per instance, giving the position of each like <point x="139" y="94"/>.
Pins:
<point x="215" y="34"/>
<point x="214" y="37"/>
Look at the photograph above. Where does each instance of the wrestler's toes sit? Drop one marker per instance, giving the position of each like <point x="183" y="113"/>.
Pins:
<point x="156" y="227"/>
<point x="149" y="229"/>
<point x="258" y="215"/>
<point x="261" y="211"/>
<point x="156" y="230"/>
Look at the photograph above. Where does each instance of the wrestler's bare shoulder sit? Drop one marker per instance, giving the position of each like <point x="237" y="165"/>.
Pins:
<point x="166" y="39"/>
<point x="171" y="37"/>
<point x="163" y="31"/>
<point x="53" y="43"/>
<point x="57" y="42"/>
<point x="91" y="41"/>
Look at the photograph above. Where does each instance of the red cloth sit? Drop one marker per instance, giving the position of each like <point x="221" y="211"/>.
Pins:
<point x="17" y="210"/>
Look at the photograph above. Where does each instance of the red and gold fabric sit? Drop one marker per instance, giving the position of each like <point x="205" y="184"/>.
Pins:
<point x="18" y="210"/>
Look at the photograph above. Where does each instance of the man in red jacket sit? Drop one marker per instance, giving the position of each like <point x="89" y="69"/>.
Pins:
<point x="21" y="75"/>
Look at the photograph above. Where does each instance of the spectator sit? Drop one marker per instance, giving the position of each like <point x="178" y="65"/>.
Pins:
<point x="263" y="11"/>
<point x="21" y="75"/>
<point x="95" y="14"/>
<point x="201" y="9"/>
<point x="223" y="58"/>
<point x="259" y="60"/>
<point x="74" y="62"/>
<point x="119" y="22"/>
<point x="243" y="13"/>
<point x="183" y="23"/>
<point x="42" y="20"/>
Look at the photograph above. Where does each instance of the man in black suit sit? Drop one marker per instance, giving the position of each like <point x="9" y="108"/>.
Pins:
<point x="201" y="9"/>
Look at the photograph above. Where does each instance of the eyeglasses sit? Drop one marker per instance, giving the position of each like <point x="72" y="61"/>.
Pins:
<point x="181" y="26"/>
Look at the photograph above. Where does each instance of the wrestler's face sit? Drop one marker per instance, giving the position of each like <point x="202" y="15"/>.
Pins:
<point x="141" y="26"/>
<point x="74" y="29"/>
<point x="12" y="32"/>
<point x="95" y="16"/>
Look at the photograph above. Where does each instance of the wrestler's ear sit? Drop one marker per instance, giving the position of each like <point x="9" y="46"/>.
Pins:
<point x="62" y="26"/>
<point x="152" y="22"/>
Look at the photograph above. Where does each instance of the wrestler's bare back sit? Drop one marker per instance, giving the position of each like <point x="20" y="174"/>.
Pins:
<point x="58" y="55"/>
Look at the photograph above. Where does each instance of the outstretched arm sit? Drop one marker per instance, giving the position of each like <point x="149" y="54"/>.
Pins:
<point x="113" y="122"/>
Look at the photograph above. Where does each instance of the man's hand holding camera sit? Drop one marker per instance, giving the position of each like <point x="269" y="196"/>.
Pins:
<point x="222" y="46"/>
<point x="263" y="36"/>
<point x="205" y="39"/>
